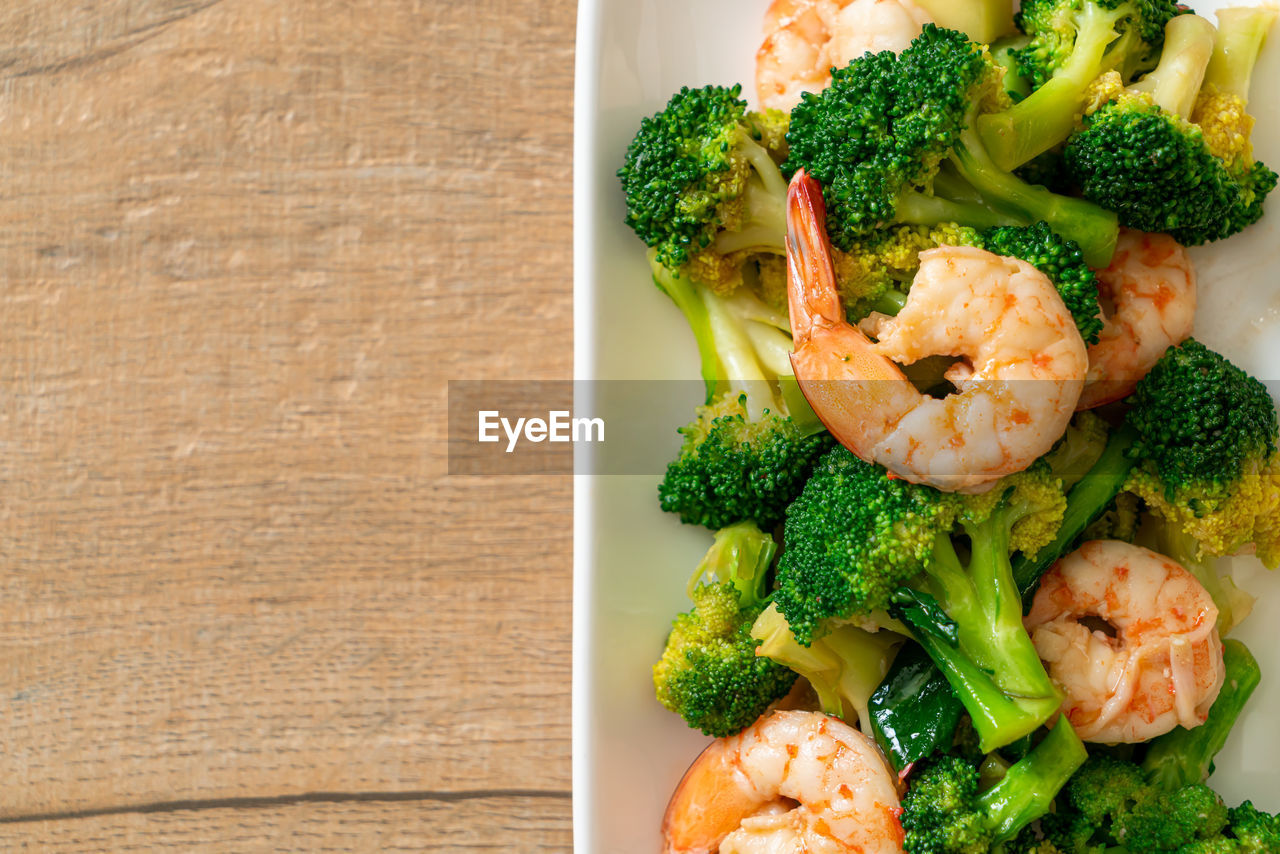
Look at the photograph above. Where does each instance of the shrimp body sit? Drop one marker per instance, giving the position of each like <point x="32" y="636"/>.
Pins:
<point x="805" y="38"/>
<point x="1017" y="388"/>
<point x="1152" y="288"/>
<point x="1164" y="666"/>
<point x="791" y="782"/>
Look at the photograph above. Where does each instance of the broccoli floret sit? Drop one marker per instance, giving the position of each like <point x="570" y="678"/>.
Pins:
<point x="1111" y="806"/>
<point x="1141" y="156"/>
<point x="1105" y="788"/>
<point x="891" y="140"/>
<point x="1081" y="38"/>
<point x="1062" y="262"/>
<point x="1207" y="443"/>
<point x="944" y="813"/>
<point x="858" y="541"/>
<point x="1169" y="821"/>
<point x="749" y="449"/>
<point x="709" y="673"/>
<point x="1255" y="832"/>
<point x="699" y="178"/>
<point x="844" y="666"/>
<point x="1181" y="757"/>
<point x="1071" y="42"/>
<point x="733" y="467"/>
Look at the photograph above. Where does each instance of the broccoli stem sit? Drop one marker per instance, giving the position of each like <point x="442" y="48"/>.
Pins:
<point x="743" y="344"/>
<point x="1090" y="226"/>
<point x="1241" y="31"/>
<point x="1048" y="115"/>
<point x="1181" y="757"/>
<point x="1175" y="82"/>
<point x="993" y="667"/>
<point x="918" y="208"/>
<point x="981" y="20"/>
<point x="687" y="297"/>
<point x="1002" y="51"/>
<point x="1029" y="786"/>
<point x="1085" y="502"/>
<point x="844" y="666"/>
<point x="764" y="224"/>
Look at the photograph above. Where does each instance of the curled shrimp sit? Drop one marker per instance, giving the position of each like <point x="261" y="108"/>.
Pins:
<point x="791" y="782"/>
<point x="805" y="38"/>
<point x="1151" y="288"/>
<point x="1163" y="668"/>
<point x="1022" y="370"/>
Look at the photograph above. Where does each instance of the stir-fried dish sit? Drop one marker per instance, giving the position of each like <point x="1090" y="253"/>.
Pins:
<point x="965" y="473"/>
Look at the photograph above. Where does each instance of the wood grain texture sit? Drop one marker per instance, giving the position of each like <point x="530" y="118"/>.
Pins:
<point x="245" y="243"/>
<point x="527" y="825"/>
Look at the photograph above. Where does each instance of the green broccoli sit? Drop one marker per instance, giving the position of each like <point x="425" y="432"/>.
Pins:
<point x="709" y="673"/>
<point x="891" y="140"/>
<point x="1206" y="438"/>
<point x="944" y="813"/>
<point x="1205" y="435"/>
<point x="858" y="542"/>
<point x="1141" y="155"/>
<point x="1069" y="44"/>
<point x="1110" y="806"/>
<point x="1255" y="832"/>
<point x="734" y="466"/>
<point x="701" y="184"/>
<point x="1062" y="262"/>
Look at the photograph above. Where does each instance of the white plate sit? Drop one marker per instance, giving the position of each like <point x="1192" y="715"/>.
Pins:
<point x="631" y="561"/>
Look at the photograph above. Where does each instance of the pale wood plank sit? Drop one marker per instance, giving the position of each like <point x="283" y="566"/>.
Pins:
<point x="484" y="824"/>
<point x="241" y="258"/>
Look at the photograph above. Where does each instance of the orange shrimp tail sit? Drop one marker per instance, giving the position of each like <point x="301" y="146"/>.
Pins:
<point x="812" y="293"/>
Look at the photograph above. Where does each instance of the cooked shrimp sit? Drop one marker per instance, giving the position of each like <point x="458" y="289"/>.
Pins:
<point x="1152" y="288"/>
<point x="805" y="38"/>
<point x="1163" y="668"/>
<point x="791" y="782"/>
<point x="1016" y="391"/>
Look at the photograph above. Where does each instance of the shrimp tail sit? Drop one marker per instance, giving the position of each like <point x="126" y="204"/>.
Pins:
<point x="813" y="293"/>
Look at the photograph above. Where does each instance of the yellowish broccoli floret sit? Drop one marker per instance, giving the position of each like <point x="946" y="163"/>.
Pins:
<point x="769" y="128"/>
<point x="1225" y="125"/>
<point x="1105" y="87"/>
<point x="770" y="282"/>
<point x="722" y="273"/>
<point x="1222" y="519"/>
<point x="1040" y="501"/>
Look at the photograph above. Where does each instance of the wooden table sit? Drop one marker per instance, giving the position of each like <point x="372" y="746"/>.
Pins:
<point x="245" y="243"/>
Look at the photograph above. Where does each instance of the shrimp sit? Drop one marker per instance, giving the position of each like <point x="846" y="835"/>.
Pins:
<point x="1152" y="286"/>
<point x="1163" y="668"/>
<point x="1016" y="393"/>
<point x="805" y="38"/>
<point x="791" y="782"/>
